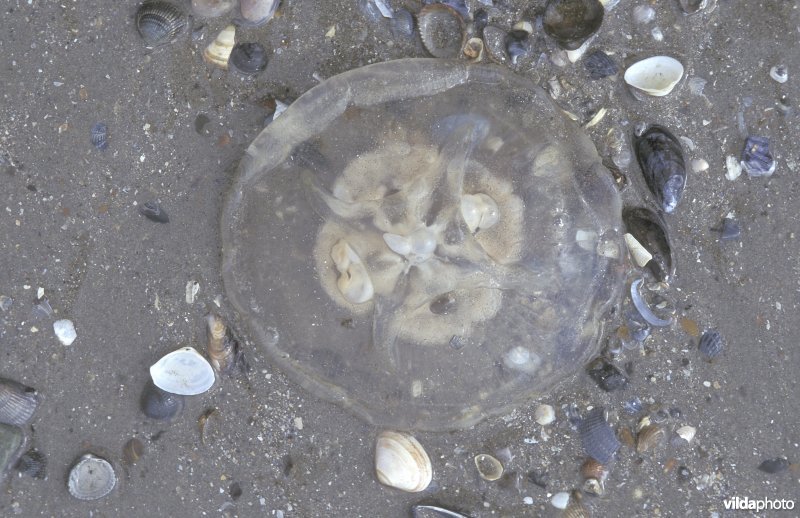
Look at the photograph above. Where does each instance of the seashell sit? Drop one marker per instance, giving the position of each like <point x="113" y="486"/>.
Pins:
<point x="643" y="14"/>
<point x="779" y="73"/>
<point x="183" y="372"/>
<point x="100" y="136"/>
<point x="571" y="22"/>
<point x="257" y="12"/>
<point x="650" y="232"/>
<point x="354" y="282"/>
<point x="442" y="30"/>
<point x="159" y="22"/>
<point x="91" y="478"/>
<point x="65" y="331"/>
<point x="756" y="158"/>
<point x="489" y="468"/>
<point x="576" y="510"/>
<point x="544" y="415"/>
<point x="473" y="49"/>
<point x="17" y="402"/>
<point x="600" y="65"/>
<point x="159" y="404"/>
<point x="591" y="469"/>
<point x="5" y="302"/>
<point x="494" y="39"/>
<point x="401" y="462"/>
<point x="518" y="45"/>
<point x="433" y="511"/>
<point x="598" y="438"/>
<point x="607" y="376"/>
<point x="730" y="229"/>
<point x="218" y="51"/>
<point x="224" y="352"/>
<point x="686" y="433"/>
<point x="644" y="309"/>
<point x="774" y="465"/>
<point x="649" y="438"/>
<point x="479" y="211"/>
<point x="152" y="210"/>
<point x="132" y="451"/>
<point x="655" y="76"/>
<point x="711" y="344"/>
<point x="33" y="464"/>
<point x="639" y="254"/>
<point x="12" y="444"/>
<point x="696" y="6"/>
<point x="402" y="24"/>
<point x="661" y="159"/>
<point x="211" y="8"/>
<point x="248" y="58"/>
<point x="560" y="500"/>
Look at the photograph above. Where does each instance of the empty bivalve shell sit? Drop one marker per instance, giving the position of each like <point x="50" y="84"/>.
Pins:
<point x="183" y="372"/>
<point x="655" y="76"/>
<point x="401" y="462"/>
<point x="91" y="478"/>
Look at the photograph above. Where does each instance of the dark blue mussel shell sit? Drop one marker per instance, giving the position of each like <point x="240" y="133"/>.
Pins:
<point x="661" y="159"/>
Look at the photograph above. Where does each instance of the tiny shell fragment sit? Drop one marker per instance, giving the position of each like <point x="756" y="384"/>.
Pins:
<point x="544" y="415"/>
<point x="65" y="331"/>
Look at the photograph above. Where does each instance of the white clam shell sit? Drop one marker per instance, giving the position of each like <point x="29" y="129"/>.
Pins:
<point x="91" y="478"/>
<point x="401" y="462"/>
<point x="544" y="415"/>
<point x="219" y="50"/>
<point x="183" y="372"/>
<point x="655" y="76"/>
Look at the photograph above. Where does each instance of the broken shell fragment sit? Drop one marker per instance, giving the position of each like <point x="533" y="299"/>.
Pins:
<point x="686" y="433"/>
<point x="480" y="211"/>
<point x="441" y="29"/>
<point x="650" y="233"/>
<point x="183" y="372"/>
<point x="258" y="12"/>
<point x="17" y="402"/>
<point x="65" y="331"/>
<point x="696" y="6"/>
<point x="649" y="438"/>
<point x="219" y="50"/>
<point x="597" y="436"/>
<point x="159" y="22"/>
<point x="711" y="344"/>
<point x="544" y="415"/>
<point x="100" y="136"/>
<point x="91" y="478"/>
<point x="12" y="444"/>
<point x="756" y="158"/>
<point x="473" y="49"/>
<point x="779" y="73"/>
<point x="224" y="352"/>
<point x="211" y="8"/>
<point x="639" y="254"/>
<point x="599" y="65"/>
<point x="571" y="22"/>
<point x="354" y="281"/>
<point x="489" y="468"/>
<point x="401" y="462"/>
<point x="434" y="511"/>
<point x="655" y="76"/>
<point x="33" y="464"/>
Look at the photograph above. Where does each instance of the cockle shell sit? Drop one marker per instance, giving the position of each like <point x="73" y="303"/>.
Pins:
<point x="219" y="50"/>
<point x="91" y="478"/>
<point x="159" y="22"/>
<point x="655" y="76"/>
<point x="401" y="462"/>
<point x="183" y="372"/>
<point x="17" y="403"/>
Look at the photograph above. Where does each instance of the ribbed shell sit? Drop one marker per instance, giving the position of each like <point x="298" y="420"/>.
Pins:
<point x="441" y="29"/>
<point x="597" y="436"/>
<point x="661" y="159"/>
<point x="33" y="464"/>
<point x="100" y="136"/>
<point x="159" y="22"/>
<point x="17" y="402"/>
<point x="711" y="344"/>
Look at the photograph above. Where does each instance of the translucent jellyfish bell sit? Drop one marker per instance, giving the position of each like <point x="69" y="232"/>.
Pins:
<point x="424" y="242"/>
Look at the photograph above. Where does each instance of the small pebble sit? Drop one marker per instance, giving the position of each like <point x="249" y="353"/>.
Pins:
<point x="65" y="331"/>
